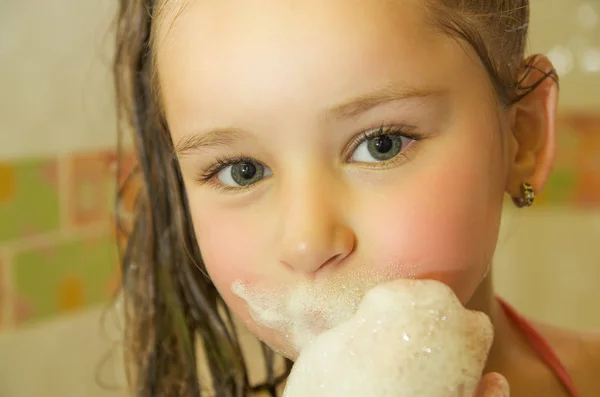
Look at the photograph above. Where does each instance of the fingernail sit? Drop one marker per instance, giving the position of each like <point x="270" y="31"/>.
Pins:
<point x="503" y="387"/>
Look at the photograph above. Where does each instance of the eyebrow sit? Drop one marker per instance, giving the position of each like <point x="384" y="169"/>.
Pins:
<point x="386" y="94"/>
<point x="224" y="137"/>
<point x="219" y="137"/>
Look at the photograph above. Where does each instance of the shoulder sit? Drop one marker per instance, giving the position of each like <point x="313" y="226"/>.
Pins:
<point x="580" y="354"/>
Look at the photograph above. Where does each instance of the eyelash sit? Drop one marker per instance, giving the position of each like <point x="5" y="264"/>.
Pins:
<point x="220" y="164"/>
<point x="223" y="162"/>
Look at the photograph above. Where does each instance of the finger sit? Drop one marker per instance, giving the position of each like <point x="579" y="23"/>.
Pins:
<point x="493" y="385"/>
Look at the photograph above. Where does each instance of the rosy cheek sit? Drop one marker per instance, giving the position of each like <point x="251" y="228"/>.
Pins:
<point x="439" y="228"/>
<point x="228" y="262"/>
<point x="230" y="246"/>
<point x="224" y="245"/>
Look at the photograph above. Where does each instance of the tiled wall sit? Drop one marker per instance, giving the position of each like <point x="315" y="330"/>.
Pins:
<point x="57" y="238"/>
<point x="575" y="180"/>
<point x="57" y="245"/>
<point x="56" y="183"/>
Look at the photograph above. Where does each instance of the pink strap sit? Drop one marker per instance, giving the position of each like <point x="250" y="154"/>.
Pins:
<point x="542" y="348"/>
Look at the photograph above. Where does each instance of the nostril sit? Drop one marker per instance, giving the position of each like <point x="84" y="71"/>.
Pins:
<point x="333" y="259"/>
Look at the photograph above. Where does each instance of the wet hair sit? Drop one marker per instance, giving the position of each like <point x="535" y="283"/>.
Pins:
<point x="172" y="308"/>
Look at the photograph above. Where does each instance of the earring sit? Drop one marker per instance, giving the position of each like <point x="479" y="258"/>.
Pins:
<point x="527" y="196"/>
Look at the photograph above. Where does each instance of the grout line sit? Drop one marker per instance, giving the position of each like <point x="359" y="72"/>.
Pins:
<point x="64" y="191"/>
<point x="49" y="239"/>
<point x="7" y="290"/>
<point x="50" y="151"/>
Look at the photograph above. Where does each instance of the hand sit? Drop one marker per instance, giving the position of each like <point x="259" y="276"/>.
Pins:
<point x="493" y="385"/>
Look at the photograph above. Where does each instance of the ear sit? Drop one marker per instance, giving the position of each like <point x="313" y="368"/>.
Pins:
<point x="532" y="143"/>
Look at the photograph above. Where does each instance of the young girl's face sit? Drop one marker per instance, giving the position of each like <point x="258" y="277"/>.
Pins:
<point x="320" y="139"/>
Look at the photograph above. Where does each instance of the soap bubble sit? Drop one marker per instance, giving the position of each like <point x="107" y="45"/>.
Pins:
<point x="590" y="61"/>
<point x="563" y="60"/>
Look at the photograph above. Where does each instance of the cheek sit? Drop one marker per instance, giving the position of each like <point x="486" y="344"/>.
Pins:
<point x="224" y="243"/>
<point x="232" y="239"/>
<point x="222" y="252"/>
<point x="442" y="224"/>
<point x="231" y="248"/>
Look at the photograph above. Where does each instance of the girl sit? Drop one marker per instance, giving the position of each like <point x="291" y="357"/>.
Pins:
<point x="287" y="143"/>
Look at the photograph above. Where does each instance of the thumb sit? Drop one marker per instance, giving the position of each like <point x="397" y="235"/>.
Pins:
<point x="493" y="385"/>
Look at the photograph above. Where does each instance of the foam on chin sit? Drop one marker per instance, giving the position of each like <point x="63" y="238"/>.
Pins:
<point x="301" y="313"/>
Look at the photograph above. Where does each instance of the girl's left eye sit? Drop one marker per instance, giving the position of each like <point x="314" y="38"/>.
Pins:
<point x="380" y="148"/>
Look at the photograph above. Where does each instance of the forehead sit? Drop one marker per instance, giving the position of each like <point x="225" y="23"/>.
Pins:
<point x="168" y="11"/>
<point x="213" y="54"/>
<point x="222" y="21"/>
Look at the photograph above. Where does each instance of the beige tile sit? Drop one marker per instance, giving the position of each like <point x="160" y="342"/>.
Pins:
<point x="549" y="266"/>
<point x="61" y="358"/>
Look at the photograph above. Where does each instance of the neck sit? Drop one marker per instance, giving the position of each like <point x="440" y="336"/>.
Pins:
<point x="507" y="340"/>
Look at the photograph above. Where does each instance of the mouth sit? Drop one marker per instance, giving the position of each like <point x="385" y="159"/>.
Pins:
<point x="316" y="321"/>
<point x="303" y="312"/>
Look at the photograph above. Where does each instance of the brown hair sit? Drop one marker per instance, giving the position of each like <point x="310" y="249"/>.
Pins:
<point x="497" y="31"/>
<point x="171" y="305"/>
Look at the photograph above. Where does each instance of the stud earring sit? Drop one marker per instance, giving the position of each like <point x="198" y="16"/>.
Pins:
<point x="527" y="196"/>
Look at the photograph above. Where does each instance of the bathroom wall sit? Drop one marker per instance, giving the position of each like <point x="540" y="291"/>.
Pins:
<point x="57" y="160"/>
<point x="548" y="258"/>
<point x="58" y="260"/>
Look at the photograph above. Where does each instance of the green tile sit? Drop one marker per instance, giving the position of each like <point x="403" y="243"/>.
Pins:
<point x="560" y="187"/>
<point x="32" y="204"/>
<point x="40" y="275"/>
<point x="567" y="149"/>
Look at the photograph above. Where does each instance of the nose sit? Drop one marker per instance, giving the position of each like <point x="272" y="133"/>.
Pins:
<point x="314" y="234"/>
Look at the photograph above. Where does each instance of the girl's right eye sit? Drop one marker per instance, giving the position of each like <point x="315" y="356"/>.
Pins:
<point x="242" y="173"/>
<point x="235" y="173"/>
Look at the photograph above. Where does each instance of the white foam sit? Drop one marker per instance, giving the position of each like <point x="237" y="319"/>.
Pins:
<point x="301" y="313"/>
<point x="407" y="338"/>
